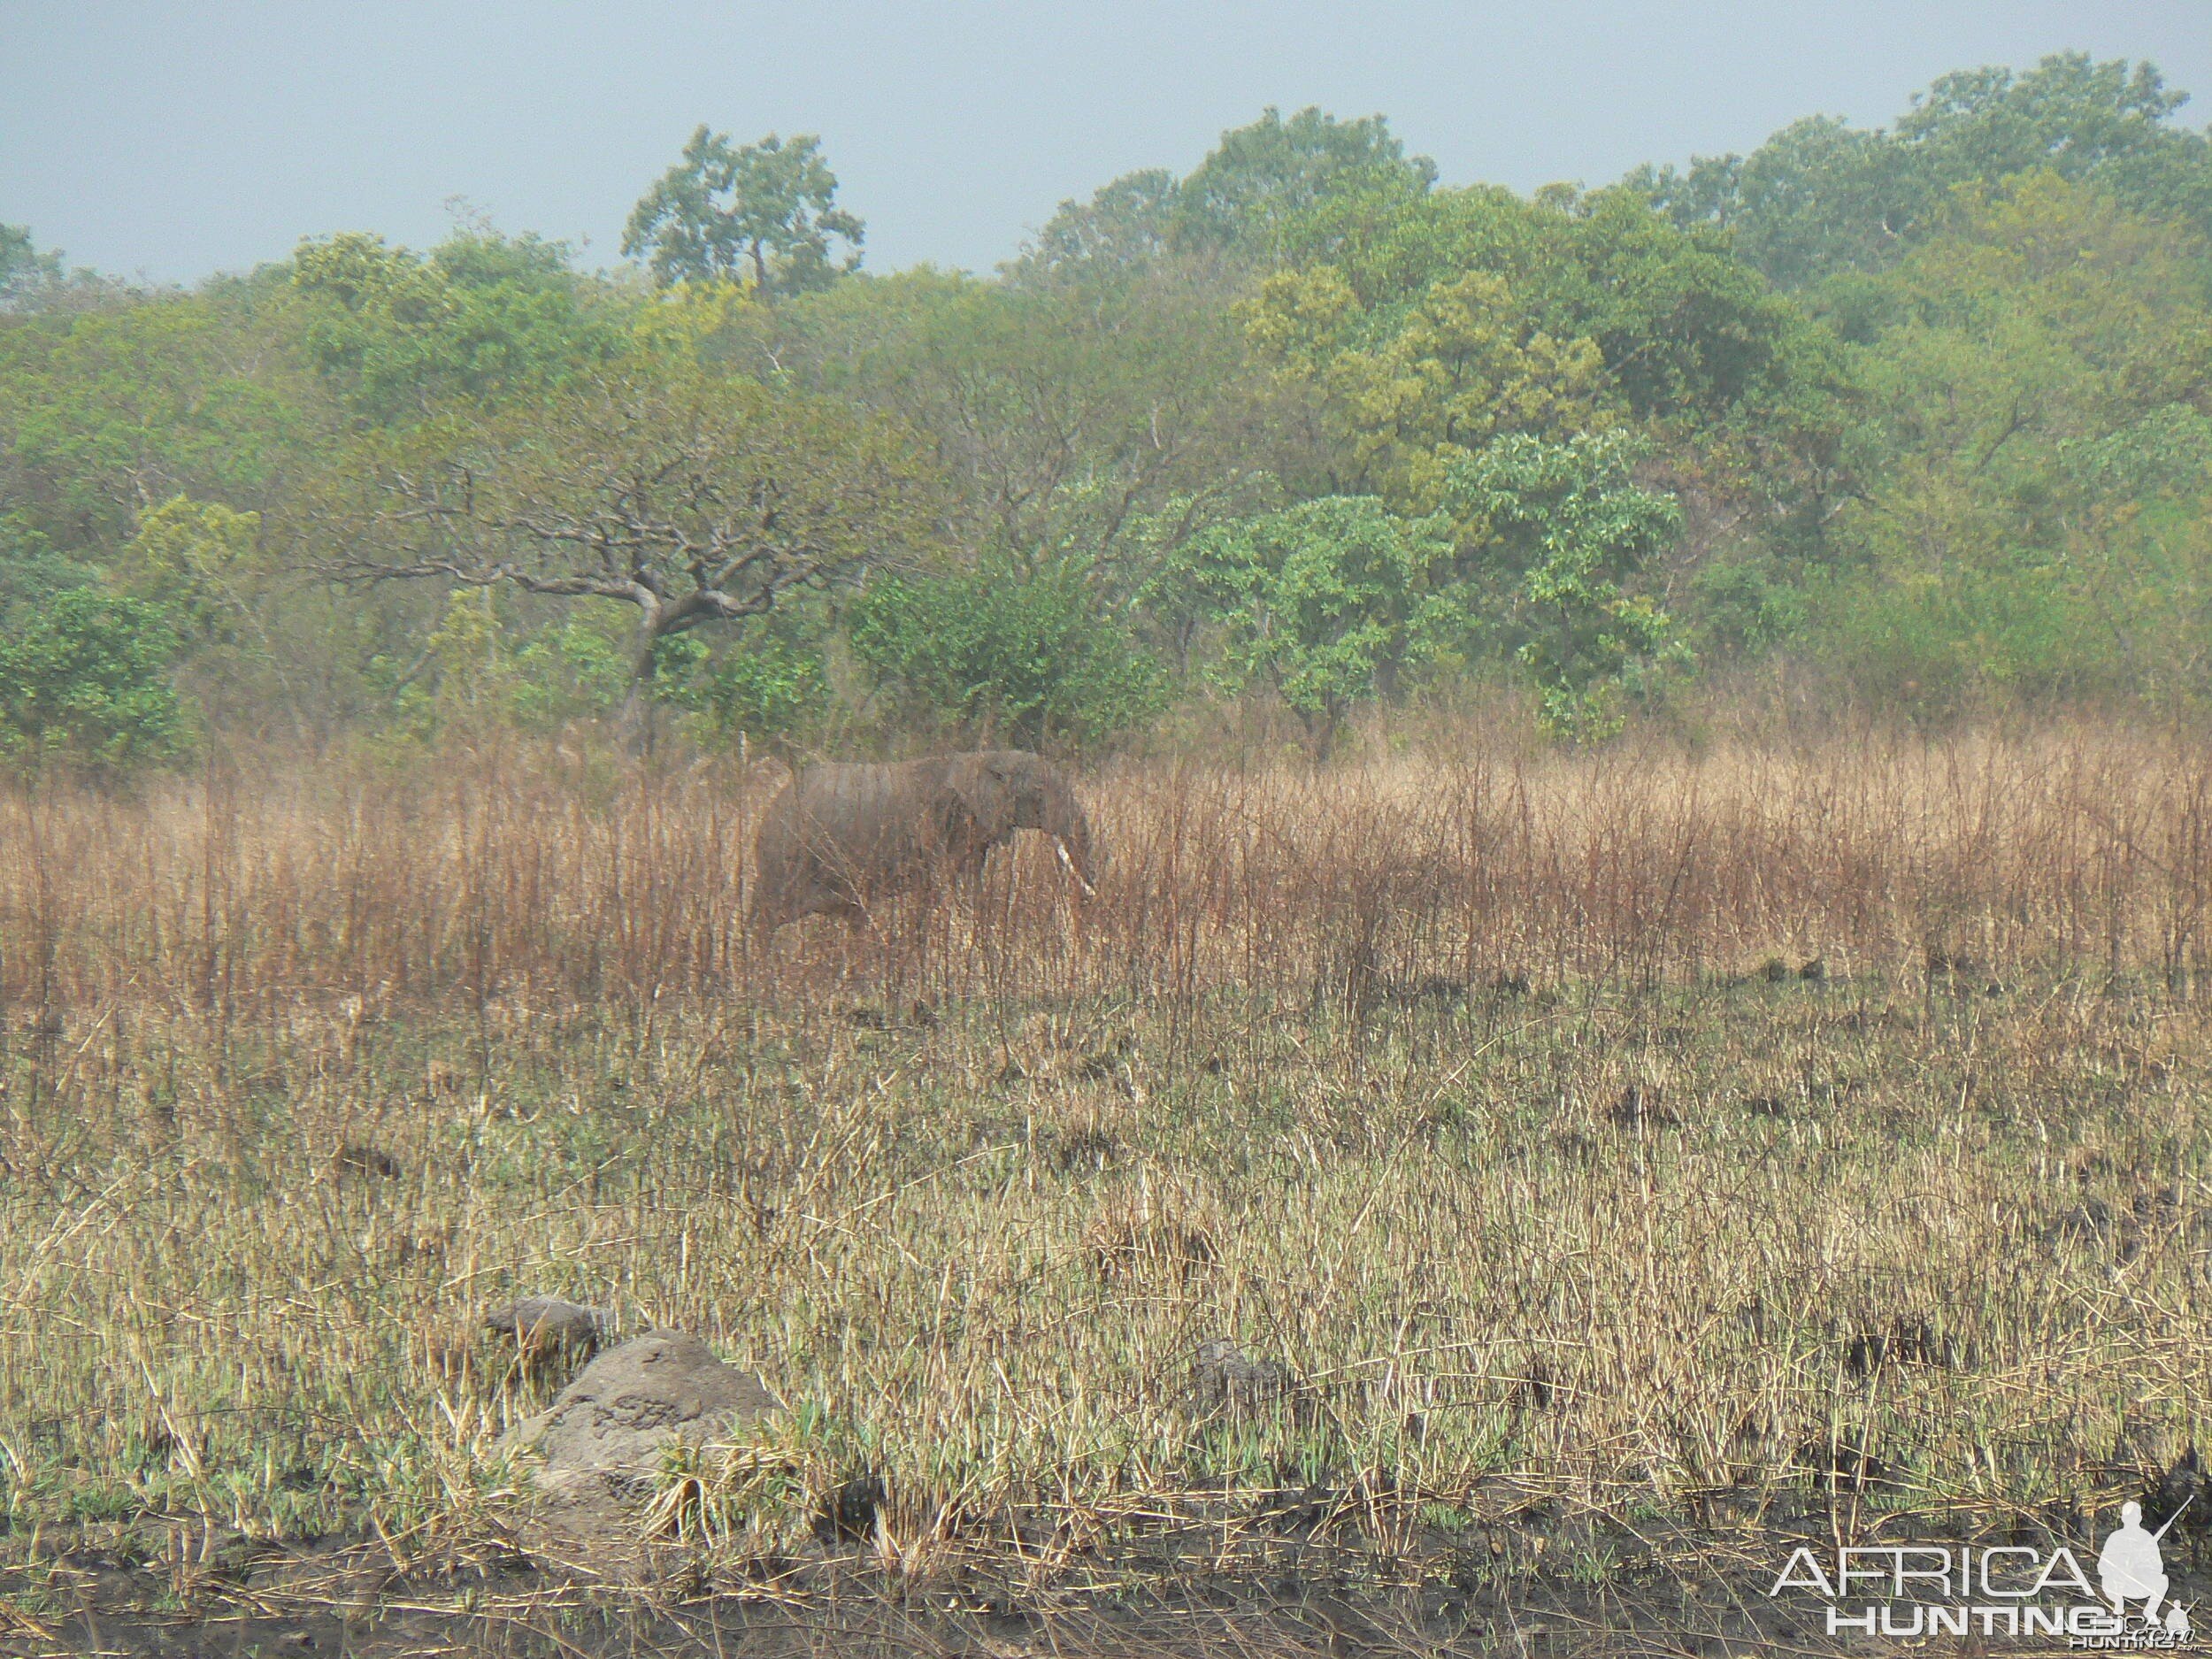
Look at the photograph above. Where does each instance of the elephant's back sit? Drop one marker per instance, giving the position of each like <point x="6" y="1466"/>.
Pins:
<point x="860" y="810"/>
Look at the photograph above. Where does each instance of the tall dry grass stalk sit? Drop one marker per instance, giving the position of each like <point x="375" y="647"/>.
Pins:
<point x="549" y="875"/>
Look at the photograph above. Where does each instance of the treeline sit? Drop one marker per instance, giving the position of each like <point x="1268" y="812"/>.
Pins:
<point x="1919" y="416"/>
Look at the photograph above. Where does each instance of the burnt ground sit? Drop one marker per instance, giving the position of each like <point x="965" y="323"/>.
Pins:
<point x="1531" y="1583"/>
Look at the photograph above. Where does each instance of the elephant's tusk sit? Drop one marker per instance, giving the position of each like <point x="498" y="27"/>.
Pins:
<point x="1089" y="892"/>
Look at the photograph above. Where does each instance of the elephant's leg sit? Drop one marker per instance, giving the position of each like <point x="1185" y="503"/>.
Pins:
<point x="829" y="892"/>
<point x="961" y="882"/>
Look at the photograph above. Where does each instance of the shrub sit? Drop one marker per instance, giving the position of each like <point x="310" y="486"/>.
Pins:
<point x="1001" y="652"/>
<point x="85" y="677"/>
<point x="1327" y="601"/>
<point x="771" y="686"/>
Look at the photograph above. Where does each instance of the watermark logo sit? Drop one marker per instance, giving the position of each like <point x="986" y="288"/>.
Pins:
<point x="2007" y="1590"/>
<point x="2131" y="1568"/>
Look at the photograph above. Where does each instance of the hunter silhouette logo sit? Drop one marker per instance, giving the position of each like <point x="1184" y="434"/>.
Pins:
<point x="2130" y="1567"/>
<point x="2006" y="1590"/>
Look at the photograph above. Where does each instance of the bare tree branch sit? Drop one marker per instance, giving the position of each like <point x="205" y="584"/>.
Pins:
<point x="695" y="500"/>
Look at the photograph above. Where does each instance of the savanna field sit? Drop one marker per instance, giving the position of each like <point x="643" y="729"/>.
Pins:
<point x="1604" y="1166"/>
<point x="1629" y="1000"/>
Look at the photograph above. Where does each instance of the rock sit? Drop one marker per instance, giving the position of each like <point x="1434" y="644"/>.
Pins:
<point x="541" y="1326"/>
<point x="601" y="1443"/>
<point x="604" y="1434"/>
<point x="1225" y="1376"/>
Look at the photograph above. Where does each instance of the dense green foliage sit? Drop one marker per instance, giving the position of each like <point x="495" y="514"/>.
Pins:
<point x="1918" y="416"/>
<point x="767" y="211"/>
<point x="1326" y="600"/>
<point x="1822" y="196"/>
<point x="1000" y="654"/>
<point x="1568" y="532"/>
<point x="84" y="678"/>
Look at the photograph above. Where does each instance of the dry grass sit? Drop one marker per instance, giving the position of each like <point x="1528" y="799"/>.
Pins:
<point x="554" y="875"/>
<point x="1463" y="1090"/>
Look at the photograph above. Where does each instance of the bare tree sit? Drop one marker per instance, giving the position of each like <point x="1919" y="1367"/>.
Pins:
<point x="695" y="499"/>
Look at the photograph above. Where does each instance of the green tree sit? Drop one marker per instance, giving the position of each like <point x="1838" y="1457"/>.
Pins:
<point x="1426" y="325"/>
<point x="85" y="679"/>
<point x="1569" y="531"/>
<point x="2038" y="387"/>
<point x="1464" y="363"/>
<point x="30" y="571"/>
<point x="1126" y="226"/>
<point x="25" y="271"/>
<point x="1409" y="335"/>
<point x="106" y="413"/>
<point x="1327" y="601"/>
<point x="1822" y="196"/>
<point x="767" y="211"/>
<point x="481" y="667"/>
<point x="191" y="557"/>
<point x="771" y="686"/>
<point x="2103" y="123"/>
<point x="1261" y="177"/>
<point x="580" y="669"/>
<point x="480" y="316"/>
<point x="1008" y="653"/>
<point x="1061" y="414"/>
<point x="1232" y="209"/>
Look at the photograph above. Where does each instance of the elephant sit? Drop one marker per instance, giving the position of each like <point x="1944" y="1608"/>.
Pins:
<point x="841" y="835"/>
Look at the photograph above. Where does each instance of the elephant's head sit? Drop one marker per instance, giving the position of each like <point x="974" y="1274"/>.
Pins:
<point x="1004" y="790"/>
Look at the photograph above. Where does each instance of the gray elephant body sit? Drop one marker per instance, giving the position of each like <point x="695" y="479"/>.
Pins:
<point x="840" y="836"/>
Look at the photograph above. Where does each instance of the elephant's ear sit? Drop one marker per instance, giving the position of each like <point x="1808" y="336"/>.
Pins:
<point x="979" y="783"/>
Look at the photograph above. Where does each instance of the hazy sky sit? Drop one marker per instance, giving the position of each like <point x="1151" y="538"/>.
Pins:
<point x="176" y="140"/>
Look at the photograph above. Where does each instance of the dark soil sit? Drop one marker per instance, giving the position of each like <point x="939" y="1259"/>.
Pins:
<point x="1533" y="1584"/>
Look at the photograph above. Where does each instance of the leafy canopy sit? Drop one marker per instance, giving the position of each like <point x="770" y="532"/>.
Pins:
<point x="1234" y="207"/>
<point x="85" y="679"/>
<point x="2039" y="383"/>
<point x="1262" y="177"/>
<point x="1417" y="332"/>
<point x="765" y="211"/>
<point x="771" y="687"/>
<point x="482" y="316"/>
<point x="1327" y="601"/>
<point x="1003" y="652"/>
<point x="692" y="497"/>
<point x="1566" y="531"/>
<point x="1061" y="416"/>
<point x="25" y="269"/>
<point x="1822" y="196"/>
